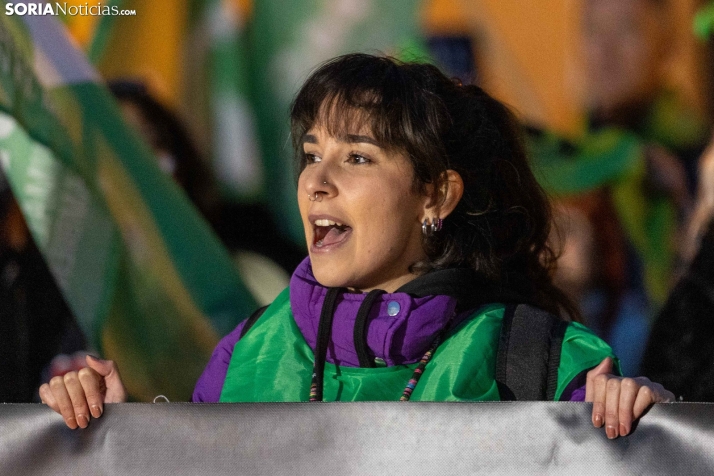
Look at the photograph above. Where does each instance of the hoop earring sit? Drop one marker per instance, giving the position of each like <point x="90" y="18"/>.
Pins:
<point x="431" y="226"/>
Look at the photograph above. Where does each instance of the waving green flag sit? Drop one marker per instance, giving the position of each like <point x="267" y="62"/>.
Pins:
<point x="217" y="72"/>
<point x="147" y="280"/>
<point x="97" y="46"/>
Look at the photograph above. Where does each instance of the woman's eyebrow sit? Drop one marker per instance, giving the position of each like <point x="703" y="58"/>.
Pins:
<point x="349" y="138"/>
<point x="354" y="139"/>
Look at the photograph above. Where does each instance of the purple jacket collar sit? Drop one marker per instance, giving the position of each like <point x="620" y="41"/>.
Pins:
<point x="399" y="339"/>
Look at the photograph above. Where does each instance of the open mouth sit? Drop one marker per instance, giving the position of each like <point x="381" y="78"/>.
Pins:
<point x="328" y="232"/>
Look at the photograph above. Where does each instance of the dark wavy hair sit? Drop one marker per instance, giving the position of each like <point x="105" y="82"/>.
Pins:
<point x="500" y="227"/>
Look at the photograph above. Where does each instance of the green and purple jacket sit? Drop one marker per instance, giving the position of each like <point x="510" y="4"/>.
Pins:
<point x="273" y="361"/>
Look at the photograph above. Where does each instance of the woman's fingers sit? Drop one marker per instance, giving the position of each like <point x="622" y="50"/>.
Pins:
<point x="629" y="391"/>
<point x="623" y="400"/>
<point x="79" y="400"/>
<point x="599" y="393"/>
<point x="78" y="396"/>
<point x="63" y="401"/>
<point x="605" y="367"/>
<point x="617" y="401"/>
<point x="115" y="391"/>
<point x="645" y="398"/>
<point x="94" y="388"/>
<point x="649" y="393"/>
<point x="612" y="408"/>
<point x="596" y="390"/>
<point x="47" y="397"/>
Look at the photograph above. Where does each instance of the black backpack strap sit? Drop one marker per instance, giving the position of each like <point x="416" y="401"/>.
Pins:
<point x="529" y="353"/>
<point x="556" y="346"/>
<point x="252" y="320"/>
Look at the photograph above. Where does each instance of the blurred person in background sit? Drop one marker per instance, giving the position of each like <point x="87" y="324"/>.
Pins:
<point x="628" y="179"/>
<point x="263" y="256"/>
<point x="616" y="231"/>
<point x="591" y="256"/>
<point x="35" y="322"/>
<point x="680" y="352"/>
<point x="627" y="45"/>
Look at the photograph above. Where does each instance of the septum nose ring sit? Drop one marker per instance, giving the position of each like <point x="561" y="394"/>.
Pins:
<point x="315" y="197"/>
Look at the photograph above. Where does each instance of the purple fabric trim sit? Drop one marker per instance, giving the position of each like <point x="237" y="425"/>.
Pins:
<point x="578" y="395"/>
<point x="575" y="390"/>
<point x="210" y="383"/>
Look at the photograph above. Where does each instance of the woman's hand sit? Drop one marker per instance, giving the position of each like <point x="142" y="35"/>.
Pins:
<point x="618" y="401"/>
<point x="77" y="395"/>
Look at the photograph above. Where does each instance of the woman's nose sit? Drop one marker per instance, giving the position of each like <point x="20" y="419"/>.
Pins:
<point x="319" y="185"/>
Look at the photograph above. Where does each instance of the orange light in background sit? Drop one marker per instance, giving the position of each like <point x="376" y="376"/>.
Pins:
<point x="444" y="17"/>
<point x="528" y="54"/>
<point x="149" y="46"/>
<point x="81" y="27"/>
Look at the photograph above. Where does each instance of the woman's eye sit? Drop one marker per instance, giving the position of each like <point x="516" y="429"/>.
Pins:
<point x="311" y="158"/>
<point x="358" y="159"/>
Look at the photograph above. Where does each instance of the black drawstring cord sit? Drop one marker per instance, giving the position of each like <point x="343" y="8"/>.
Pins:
<point x="360" y="330"/>
<point x="324" y="333"/>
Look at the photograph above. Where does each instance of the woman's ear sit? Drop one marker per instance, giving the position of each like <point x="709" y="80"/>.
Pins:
<point x="451" y="189"/>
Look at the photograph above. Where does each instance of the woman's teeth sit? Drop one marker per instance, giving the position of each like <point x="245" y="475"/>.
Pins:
<point x="325" y="222"/>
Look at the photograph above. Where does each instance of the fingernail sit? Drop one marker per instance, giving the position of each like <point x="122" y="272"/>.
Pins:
<point x="82" y="421"/>
<point x="611" y="432"/>
<point x="96" y="411"/>
<point x="71" y="422"/>
<point x="597" y="420"/>
<point x="92" y="357"/>
<point x="623" y="430"/>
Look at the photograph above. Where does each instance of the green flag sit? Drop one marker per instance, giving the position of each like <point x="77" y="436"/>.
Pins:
<point x="97" y="47"/>
<point x="217" y="76"/>
<point x="145" y="277"/>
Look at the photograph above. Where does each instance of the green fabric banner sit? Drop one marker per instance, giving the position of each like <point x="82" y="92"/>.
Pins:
<point x="145" y="277"/>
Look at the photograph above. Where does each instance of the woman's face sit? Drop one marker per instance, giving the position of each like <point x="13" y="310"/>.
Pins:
<point x="625" y="49"/>
<point x="363" y="231"/>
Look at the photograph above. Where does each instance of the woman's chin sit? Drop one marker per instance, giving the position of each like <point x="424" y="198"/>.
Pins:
<point x="329" y="276"/>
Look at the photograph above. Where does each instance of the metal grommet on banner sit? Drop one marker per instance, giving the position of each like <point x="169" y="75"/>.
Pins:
<point x="166" y="400"/>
